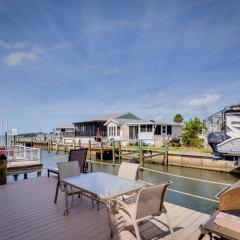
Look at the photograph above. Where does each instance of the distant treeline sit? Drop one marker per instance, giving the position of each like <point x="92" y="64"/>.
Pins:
<point x="28" y="134"/>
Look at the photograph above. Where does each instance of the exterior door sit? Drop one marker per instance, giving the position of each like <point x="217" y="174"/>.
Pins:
<point x="133" y="132"/>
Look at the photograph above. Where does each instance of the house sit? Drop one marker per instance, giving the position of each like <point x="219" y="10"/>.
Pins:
<point x="227" y="121"/>
<point x="126" y="127"/>
<point x="149" y="131"/>
<point x="89" y="129"/>
<point x="66" y="130"/>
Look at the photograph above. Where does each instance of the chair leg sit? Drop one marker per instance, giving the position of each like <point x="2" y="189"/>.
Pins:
<point x="98" y="206"/>
<point x="168" y="223"/>
<point x="136" y="231"/>
<point x="56" y="193"/>
<point x="201" y="236"/>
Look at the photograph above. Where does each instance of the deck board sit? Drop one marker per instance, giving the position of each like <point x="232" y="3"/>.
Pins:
<point x="27" y="212"/>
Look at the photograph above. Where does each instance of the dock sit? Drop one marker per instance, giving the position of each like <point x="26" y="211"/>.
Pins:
<point x="28" y="212"/>
<point x="23" y="167"/>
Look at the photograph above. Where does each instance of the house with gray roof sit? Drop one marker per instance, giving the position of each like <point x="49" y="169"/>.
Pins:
<point x="149" y="131"/>
<point x="125" y="127"/>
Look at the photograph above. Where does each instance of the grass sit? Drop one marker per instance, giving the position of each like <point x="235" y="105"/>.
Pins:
<point x="183" y="149"/>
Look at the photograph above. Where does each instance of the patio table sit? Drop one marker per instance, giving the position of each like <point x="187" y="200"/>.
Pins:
<point x="102" y="187"/>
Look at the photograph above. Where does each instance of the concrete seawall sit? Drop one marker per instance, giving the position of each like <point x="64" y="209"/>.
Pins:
<point x="194" y="160"/>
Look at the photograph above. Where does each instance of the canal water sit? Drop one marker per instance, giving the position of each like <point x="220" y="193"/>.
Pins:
<point x="191" y="188"/>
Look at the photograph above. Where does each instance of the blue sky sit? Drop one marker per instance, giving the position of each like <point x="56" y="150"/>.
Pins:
<point x="63" y="61"/>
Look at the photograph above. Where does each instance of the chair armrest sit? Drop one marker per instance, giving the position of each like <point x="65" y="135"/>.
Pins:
<point x="124" y="207"/>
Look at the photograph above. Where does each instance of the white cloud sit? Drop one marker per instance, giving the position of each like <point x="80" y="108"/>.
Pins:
<point x="112" y="71"/>
<point x="17" y="45"/>
<point x="208" y="99"/>
<point x="18" y="57"/>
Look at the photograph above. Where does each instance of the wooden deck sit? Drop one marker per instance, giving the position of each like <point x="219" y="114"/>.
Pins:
<point x="27" y="212"/>
<point x="23" y="166"/>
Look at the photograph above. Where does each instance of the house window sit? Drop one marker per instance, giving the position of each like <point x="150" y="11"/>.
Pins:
<point x="114" y="131"/>
<point x="118" y="131"/>
<point x="169" y="130"/>
<point x="143" y="128"/>
<point x="163" y="129"/>
<point x="149" y="128"/>
<point x="158" y="130"/>
<point x="110" y="131"/>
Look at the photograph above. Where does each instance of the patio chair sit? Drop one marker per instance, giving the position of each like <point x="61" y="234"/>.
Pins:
<point x="225" y="223"/>
<point x="148" y="205"/>
<point x="68" y="169"/>
<point x="78" y="155"/>
<point x="128" y="171"/>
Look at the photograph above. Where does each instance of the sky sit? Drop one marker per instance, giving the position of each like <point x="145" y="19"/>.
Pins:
<point x="65" y="61"/>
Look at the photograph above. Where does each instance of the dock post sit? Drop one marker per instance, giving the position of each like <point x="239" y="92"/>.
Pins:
<point x="49" y="146"/>
<point x="89" y="149"/>
<point x="101" y="150"/>
<point x="74" y="147"/>
<point x="120" y="151"/>
<point x="25" y="175"/>
<point x="79" y="143"/>
<point x="39" y="155"/>
<point x="166" y="154"/>
<point x="57" y="147"/>
<point x="113" y="152"/>
<point x="141" y="154"/>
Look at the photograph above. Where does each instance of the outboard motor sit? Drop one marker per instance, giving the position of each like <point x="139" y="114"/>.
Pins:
<point x="214" y="138"/>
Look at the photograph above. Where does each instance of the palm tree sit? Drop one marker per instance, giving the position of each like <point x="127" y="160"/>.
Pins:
<point x="178" y="118"/>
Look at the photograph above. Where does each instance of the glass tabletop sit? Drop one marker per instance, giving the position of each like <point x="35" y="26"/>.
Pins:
<point x="104" y="186"/>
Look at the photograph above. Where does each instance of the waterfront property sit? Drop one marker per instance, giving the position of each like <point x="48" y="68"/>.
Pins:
<point x="66" y="130"/>
<point x="126" y="127"/>
<point x="148" y="131"/>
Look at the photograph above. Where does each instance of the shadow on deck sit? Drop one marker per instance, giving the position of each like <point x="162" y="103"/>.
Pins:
<point x="27" y="212"/>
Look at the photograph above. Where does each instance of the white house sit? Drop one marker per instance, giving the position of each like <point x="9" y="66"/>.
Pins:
<point x="149" y="131"/>
<point x="66" y="130"/>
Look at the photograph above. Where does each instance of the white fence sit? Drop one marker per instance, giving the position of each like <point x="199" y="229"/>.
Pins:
<point x="22" y="153"/>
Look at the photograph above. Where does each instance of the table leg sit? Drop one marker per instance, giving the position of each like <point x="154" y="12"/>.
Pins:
<point x="111" y="218"/>
<point x="66" y="211"/>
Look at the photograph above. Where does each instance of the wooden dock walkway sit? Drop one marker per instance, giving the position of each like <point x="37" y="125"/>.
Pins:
<point x="27" y="212"/>
<point x="16" y="167"/>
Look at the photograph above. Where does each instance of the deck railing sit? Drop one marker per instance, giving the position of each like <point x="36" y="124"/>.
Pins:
<point x="22" y="153"/>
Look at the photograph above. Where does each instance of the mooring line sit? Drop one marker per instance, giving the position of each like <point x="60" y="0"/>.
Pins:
<point x="184" y="193"/>
<point x="189" y="178"/>
<point x="171" y="174"/>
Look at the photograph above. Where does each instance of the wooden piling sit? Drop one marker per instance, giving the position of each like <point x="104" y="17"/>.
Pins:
<point x="101" y="150"/>
<point x="113" y="151"/>
<point x="141" y="156"/>
<point x="120" y="151"/>
<point x="89" y="149"/>
<point x="79" y="143"/>
<point x="57" y="147"/>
